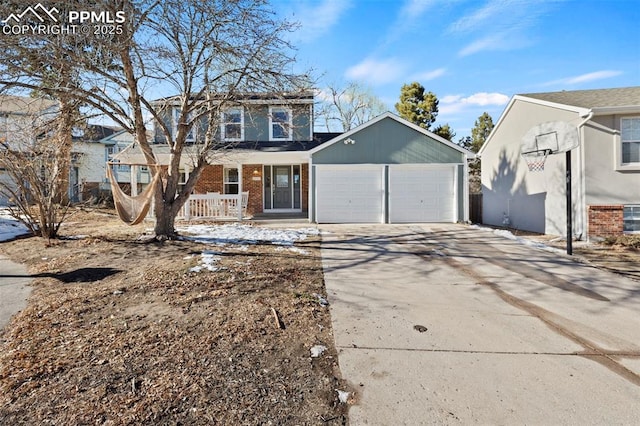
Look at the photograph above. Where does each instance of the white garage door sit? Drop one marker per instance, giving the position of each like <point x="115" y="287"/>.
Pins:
<point x="422" y="193"/>
<point x="350" y="194"/>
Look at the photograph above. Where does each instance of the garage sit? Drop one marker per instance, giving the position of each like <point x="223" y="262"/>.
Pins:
<point x="422" y="193"/>
<point x="388" y="170"/>
<point x="350" y="194"/>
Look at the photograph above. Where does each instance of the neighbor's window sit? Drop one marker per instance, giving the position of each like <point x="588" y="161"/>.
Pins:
<point x="231" y="180"/>
<point x="631" y="218"/>
<point x="233" y="124"/>
<point x="630" y="136"/>
<point x="279" y="123"/>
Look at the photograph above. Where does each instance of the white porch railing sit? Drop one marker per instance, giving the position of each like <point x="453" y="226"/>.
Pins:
<point x="215" y="206"/>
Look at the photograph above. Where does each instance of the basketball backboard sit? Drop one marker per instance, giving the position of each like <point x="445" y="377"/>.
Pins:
<point x="551" y="137"/>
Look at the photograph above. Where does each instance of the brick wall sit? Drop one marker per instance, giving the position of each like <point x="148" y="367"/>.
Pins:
<point x="251" y="183"/>
<point x="211" y="180"/>
<point x="606" y="220"/>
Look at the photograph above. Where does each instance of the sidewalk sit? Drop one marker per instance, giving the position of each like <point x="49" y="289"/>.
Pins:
<point x="14" y="289"/>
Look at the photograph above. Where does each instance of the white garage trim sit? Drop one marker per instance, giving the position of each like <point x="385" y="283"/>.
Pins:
<point x="349" y="193"/>
<point x="423" y="193"/>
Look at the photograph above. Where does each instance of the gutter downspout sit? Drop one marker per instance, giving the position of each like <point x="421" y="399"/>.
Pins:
<point x="583" y="183"/>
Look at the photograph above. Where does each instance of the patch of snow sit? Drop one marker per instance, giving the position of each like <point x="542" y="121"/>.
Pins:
<point x="524" y="241"/>
<point x="343" y="396"/>
<point x="77" y="237"/>
<point x="293" y="249"/>
<point x="317" y="350"/>
<point x="10" y="227"/>
<point x="245" y="234"/>
<point x="208" y="260"/>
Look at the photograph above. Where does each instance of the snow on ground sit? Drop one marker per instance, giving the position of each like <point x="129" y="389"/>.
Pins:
<point x="208" y="260"/>
<point x="244" y="234"/>
<point x="10" y="228"/>
<point x="241" y="235"/>
<point x="520" y="240"/>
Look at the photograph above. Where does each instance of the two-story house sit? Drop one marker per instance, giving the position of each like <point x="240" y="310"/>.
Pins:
<point x="605" y="164"/>
<point x="386" y="170"/>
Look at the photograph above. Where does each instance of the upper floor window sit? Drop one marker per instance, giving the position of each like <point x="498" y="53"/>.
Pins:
<point x="191" y="135"/>
<point x="630" y="137"/>
<point x="232" y="124"/>
<point x="280" y="123"/>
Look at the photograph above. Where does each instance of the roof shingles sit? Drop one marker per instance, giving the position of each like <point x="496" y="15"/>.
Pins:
<point x="598" y="98"/>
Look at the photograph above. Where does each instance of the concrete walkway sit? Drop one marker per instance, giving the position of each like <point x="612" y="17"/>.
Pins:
<point x="449" y="324"/>
<point x="14" y="289"/>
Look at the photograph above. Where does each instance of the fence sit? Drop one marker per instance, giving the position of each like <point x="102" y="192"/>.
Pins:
<point x="475" y="208"/>
<point x="215" y="206"/>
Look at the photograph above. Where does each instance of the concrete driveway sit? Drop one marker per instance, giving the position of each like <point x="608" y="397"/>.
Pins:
<point x="450" y="324"/>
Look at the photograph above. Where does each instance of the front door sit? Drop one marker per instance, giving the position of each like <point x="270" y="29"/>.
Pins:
<point x="281" y="184"/>
<point x="282" y="187"/>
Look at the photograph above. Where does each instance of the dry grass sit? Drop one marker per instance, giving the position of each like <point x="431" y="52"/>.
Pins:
<point x="121" y="332"/>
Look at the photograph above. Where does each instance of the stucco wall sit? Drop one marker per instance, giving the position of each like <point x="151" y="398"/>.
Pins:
<point x="603" y="182"/>
<point x="516" y="197"/>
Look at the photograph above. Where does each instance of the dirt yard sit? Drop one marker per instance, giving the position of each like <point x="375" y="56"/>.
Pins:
<point x="122" y="331"/>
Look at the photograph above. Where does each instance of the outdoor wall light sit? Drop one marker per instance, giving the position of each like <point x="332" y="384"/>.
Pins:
<point x="349" y="141"/>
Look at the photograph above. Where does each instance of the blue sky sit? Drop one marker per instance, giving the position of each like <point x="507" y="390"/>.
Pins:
<point x="474" y="55"/>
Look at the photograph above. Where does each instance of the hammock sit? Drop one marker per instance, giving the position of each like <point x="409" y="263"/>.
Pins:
<point x="132" y="210"/>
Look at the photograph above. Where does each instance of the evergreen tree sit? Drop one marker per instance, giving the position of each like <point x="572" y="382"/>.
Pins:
<point x="481" y="130"/>
<point x="417" y="106"/>
<point x="445" y="131"/>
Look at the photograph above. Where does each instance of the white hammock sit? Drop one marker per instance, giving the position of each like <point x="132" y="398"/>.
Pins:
<point x="132" y="210"/>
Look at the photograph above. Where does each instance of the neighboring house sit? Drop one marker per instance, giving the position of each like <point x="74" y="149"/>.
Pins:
<point x="386" y="170"/>
<point x="93" y="147"/>
<point x="21" y="119"/>
<point x="605" y="166"/>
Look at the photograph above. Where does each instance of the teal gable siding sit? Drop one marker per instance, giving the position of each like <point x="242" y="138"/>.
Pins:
<point x="388" y="142"/>
<point x="256" y="124"/>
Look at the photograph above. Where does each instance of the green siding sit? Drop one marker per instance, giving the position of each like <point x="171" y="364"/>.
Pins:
<point x="256" y="123"/>
<point x="388" y="142"/>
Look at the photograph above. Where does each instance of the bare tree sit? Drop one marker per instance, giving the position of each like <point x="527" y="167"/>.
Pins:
<point x="30" y="155"/>
<point x="209" y="53"/>
<point x="349" y="107"/>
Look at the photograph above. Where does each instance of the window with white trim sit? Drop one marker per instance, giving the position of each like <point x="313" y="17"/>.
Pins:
<point x="232" y="124"/>
<point x="182" y="180"/>
<point x="630" y="138"/>
<point x="631" y="218"/>
<point x="231" y="180"/>
<point x="280" y="123"/>
<point x="191" y="135"/>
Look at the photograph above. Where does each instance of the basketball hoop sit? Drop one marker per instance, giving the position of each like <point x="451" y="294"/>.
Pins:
<point x="536" y="159"/>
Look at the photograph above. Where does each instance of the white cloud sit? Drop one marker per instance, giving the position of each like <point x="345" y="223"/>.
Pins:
<point x="317" y="18"/>
<point x="500" y="15"/>
<point x="451" y="104"/>
<point x="495" y="42"/>
<point x="585" y="78"/>
<point x="375" y="72"/>
<point x="429" y="75"/>
<point x="412" y="9"/>
<point x="508" y="21"/>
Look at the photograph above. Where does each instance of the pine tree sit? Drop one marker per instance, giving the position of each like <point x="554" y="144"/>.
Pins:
<point x="417" y="106"/>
